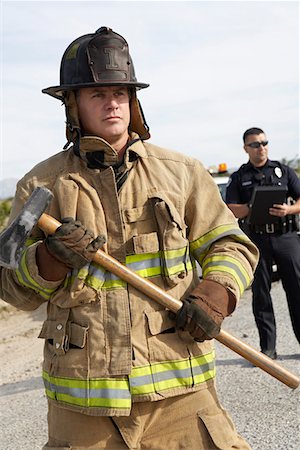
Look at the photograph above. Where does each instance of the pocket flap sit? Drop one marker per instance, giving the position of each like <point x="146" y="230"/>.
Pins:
<point x="146" y="243"/>
<point x="168" y="209"/>
<point x="137" y="214"/>
<point x="159" y="321"/>
<point x="78" y="335"/>
<point x="51" y="328"/>
<point x="220" y="427"/>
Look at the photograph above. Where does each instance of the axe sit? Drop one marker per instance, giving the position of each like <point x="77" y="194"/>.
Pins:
<point x="12" y="242"/>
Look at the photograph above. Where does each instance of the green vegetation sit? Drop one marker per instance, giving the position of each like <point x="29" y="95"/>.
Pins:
<point x="5" y="207"/>
<point x="293" y="163"/>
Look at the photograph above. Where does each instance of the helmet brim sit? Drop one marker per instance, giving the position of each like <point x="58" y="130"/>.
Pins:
<point x="58" y="91"/>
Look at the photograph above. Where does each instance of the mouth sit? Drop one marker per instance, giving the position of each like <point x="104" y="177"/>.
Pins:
<point x="112" y="118"/>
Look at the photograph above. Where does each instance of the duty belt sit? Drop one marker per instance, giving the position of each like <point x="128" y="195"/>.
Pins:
<point x="270" y="228"/>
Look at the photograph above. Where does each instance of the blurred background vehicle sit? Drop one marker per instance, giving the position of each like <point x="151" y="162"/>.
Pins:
<point x="220" y="175"/>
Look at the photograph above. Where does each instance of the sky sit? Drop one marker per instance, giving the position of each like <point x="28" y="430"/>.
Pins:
<point x="215" y="68"/>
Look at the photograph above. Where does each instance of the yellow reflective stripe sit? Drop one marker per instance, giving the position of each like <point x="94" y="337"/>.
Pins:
<point x="103" y="393"/>
<point x="202" y="377"/>
<point x="176" y="261"/>
<point x="96" y="383"/>
<point x="50" y="394"/>
<point x="200" y="246"/>
<point x="130" y="259"/>
<point x="170" y="254"/>
<point x="113" y="284"/>
<point x="229" y="264"/>
<point x="208" y="361"/>
<point x="226" y="270"/>
<point x="175" y="383"/>
<point x="147" y="265"/>
<point x="211" y="235"/>
<point x="148" y="379"/>
<point x="149" y="273"/>
<point x="170" y="365"/>
<point x="91" y="402"/>
<point x="25" y="279"/>
<point x="172" y="374"/>
<point x="179" y="268"/>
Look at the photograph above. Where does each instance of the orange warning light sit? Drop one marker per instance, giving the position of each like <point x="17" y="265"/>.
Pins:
<point x="222" y="168"/>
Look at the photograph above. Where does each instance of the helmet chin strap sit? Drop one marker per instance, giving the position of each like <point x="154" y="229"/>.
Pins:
<point x="73" y="130"/>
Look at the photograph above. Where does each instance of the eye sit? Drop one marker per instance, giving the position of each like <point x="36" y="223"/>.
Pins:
<point x="97" y="95"/>
<point x="120" y="93"/>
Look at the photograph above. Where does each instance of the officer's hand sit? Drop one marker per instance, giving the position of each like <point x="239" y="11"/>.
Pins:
<point x="203" y="311"/>
<point x="72" y="244"/>
<point x="280" y="210"/>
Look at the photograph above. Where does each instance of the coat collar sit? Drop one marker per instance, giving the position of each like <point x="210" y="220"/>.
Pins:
<point x="107" y="154"/>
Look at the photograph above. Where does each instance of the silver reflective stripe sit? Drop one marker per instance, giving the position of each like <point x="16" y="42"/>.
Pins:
<point x="202" y="249"/>
<point x="230" y="265"/>
<point x="147" y="265"/>
<point x="171" y="262"/>
<point x="88" y="393"/>
<point x="141" y="380"/>
<point x="172" y="374"/>
<point x="199" y="370"/>
<point x="144" y="264"/>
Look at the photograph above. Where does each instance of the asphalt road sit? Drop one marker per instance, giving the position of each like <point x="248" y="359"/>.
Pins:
<point x="265" y="411"/>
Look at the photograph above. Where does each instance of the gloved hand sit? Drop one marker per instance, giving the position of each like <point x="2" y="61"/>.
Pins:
<point x="204" y="310"/>
<point x="72" y="244"/>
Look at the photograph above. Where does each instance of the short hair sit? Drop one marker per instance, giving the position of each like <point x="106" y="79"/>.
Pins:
<point x="250" y="131"/>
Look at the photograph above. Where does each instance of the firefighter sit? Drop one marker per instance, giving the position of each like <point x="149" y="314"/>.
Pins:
<point x="120" y="371"/>
<point x="277" y="240"/>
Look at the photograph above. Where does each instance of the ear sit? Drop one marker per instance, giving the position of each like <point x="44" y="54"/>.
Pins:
<point x="245" y="148"/>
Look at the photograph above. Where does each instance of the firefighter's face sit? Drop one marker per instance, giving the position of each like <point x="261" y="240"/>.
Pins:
<point x="104" y="112"/>
<point x="256" y="145"/>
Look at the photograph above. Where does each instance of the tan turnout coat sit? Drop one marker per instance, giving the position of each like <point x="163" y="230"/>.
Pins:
<point x="106" y="344"/>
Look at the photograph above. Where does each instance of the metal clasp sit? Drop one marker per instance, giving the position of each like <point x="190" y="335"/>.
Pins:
<point x="270" y="228"/>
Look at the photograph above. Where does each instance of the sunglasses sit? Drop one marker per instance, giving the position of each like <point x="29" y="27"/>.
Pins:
<point x="257" y="144"/>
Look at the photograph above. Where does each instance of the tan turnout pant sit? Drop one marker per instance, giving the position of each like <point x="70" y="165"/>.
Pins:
<point x="188" y="422"/>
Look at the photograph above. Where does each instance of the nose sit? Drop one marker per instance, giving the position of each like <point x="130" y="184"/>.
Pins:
<point x="112" y="102"/>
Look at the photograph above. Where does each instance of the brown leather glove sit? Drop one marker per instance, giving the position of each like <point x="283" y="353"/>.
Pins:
<point x="204" y="310"/>
<point x="72" y="244"/>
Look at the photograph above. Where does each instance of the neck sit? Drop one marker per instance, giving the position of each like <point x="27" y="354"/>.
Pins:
<point x="121" y="151"/>
<point x="120" y="145"/>
<point x="258" y="164"/>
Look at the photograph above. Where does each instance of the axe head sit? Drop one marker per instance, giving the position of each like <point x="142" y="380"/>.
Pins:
<point x="13" y="238"/>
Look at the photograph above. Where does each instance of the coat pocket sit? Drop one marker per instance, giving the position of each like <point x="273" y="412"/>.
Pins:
<point x="221" y="428"/>
<point x="62" y="336"/>
<point x="66" y="342"/>
<point x="173" y="243"/>
<point x="164" y="343"/>
<point x="145" y="243"/>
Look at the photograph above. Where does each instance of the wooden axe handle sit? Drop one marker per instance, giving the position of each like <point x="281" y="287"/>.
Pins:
<point x="48" y="224"/>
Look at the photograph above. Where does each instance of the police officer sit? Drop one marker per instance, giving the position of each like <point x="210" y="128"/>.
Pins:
<point x="279" y="242"/>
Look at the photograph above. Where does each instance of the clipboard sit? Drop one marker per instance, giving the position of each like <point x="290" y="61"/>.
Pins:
<point x="263" y="198"/>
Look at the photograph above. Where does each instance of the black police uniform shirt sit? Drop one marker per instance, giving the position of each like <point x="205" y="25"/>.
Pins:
<point x="242" y="182"/>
